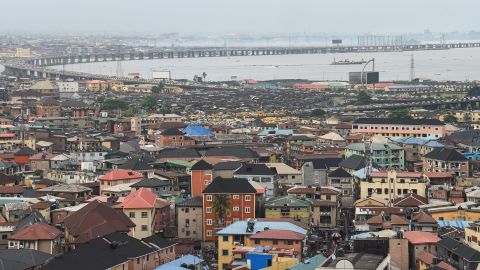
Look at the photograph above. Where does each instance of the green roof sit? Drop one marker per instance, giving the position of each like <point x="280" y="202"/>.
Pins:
<point x="181" y="163"/>
<point x="309" y="264"/>
<point x="286" y="201"/>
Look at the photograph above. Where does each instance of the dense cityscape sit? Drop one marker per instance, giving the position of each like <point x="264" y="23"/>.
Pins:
<point x="240" y="151"/>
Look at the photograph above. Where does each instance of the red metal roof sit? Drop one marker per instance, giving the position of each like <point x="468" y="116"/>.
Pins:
<point x="37" y="231"/>
<point x="139" y="199"/>
<point x="7" y="135"/>
<point x="426" y="257"/>
<point x="419" y="237"/>
<point x="116" y="175"/>
<point x="278" y="234"/>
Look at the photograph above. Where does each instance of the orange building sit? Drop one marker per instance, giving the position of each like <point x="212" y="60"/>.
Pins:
<point x="201" y="177"/>
<point x="22" y="156"/>
<point x="173" y="137"/>
<point x="240" y="204"/>
<point x="117" y="177"/>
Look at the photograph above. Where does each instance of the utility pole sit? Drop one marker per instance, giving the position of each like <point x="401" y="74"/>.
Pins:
<point x="412" y="68"/>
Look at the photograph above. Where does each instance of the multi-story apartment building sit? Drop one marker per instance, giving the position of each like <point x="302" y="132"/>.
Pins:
<point x="387" y="155"/>
<point x="288" y="207"/>
<point x="229" y="199"/>
<point x="400" y="127"/>
<point x="390" y="185"/>
<point x="201" y="176"/>
<point x="190" y="218"/>
<point x="283" y="237"/>
<point x="446" y="160"/>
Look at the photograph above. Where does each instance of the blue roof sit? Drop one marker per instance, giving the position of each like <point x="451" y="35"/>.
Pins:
<point x="194" y="130"/>
<point x="362" y="173"/>
<point x="176" y="264"/>
<point x="240" y="227"/>
<point x="434" y="144"/>
<point x="458" y="223"/>
<point x="276" y="132"/>
<point x="412" y="140"/>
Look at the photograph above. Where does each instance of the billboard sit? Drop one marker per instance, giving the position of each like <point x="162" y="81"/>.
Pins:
<point x="161" y="74"/>
<point x="368" y="77"/>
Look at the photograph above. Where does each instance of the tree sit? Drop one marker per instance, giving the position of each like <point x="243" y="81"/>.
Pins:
<point x="317" y="113"/>
<point x="166" y="108"/>
<point x="128" y="114"/>
<point x="450" y="118"/>
<point x="158" y="88"/>
<point x="474" y="91"/>
<point x="220" y="206"/>
<point x="363" y="98"/>
<point x="115" y="104"/>
<point x="204" y="75"/>
<point x="400" y="113"/>
<point x="149" y="103"/>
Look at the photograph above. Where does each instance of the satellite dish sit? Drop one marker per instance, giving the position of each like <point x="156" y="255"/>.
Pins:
<point x="344" y="264"/>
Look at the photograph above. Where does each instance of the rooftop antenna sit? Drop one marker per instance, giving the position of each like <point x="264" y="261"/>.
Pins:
<point x="412" y="68"/>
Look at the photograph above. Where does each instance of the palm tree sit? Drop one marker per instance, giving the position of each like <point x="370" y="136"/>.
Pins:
<point x="220" y="207"/>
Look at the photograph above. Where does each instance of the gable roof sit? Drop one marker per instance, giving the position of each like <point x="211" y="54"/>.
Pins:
<point x="151" y="182"/>
<point x="196" y="130"/>
<point x="227" y="165"/>
<point x="325" y="163"/>
<point x="445" y="154"/>
<point x="135" y="164"/>
<point x="255" y="169"/>
<point x="220" y="185"/>
<point x="116" y="175"/>
<point x="240" y="152"/>
<point x="142" y="198"/>
<point x="37" y="231"/>
<point x="25" y="151"/>
<point x="102" y="253"/>
<point x="339" y="172"/>
<point x="354" y="162"/>
<point x="410" y="200"/>
<point x="423" y="218"/>
<point x="96" y="220"/>
<point x="286" y="201"/>
<point x="20" y="259"/>
<point x="192" y="202"/>
<point x="420" y="237"/>
<point x="179" y="153"/>
<point x="201" y="165"/>
<point x="172" y="132"/>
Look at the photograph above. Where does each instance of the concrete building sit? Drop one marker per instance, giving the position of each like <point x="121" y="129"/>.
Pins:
<point x="446" y="160"/>
<point x="386" y="155"/>
<point x="400" y="127"/>
<point x="288" y="207"/>
<point x="390" y="185"/>
<point x="190" y="219"/>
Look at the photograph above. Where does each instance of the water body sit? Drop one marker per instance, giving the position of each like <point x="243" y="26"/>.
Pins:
<point x="454" y="64"/>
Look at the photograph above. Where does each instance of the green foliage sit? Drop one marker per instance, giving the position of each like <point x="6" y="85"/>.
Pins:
<point x="220" y="206"/>
<point x="474" y="91"/>
<point x="114" y="104"/>
<point x="128" y="114"/>
<point x="158" y="88"/>
<point x="149" y="103"/>
<point x="166" y="108"/>
<point x="400" y="113"/>
<point x="317" y="113"/>
<point x="450" y="118"/>
<point x="363" y="98"/>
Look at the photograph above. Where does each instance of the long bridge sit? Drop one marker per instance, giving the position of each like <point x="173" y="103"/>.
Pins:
<point x="39" y="67"/>
<point x="167" y="53"/>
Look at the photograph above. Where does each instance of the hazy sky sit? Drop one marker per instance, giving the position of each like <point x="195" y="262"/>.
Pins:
<point x="238" y="16"/>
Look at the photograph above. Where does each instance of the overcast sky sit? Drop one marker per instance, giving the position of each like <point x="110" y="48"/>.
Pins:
<point x="238" y="16"/>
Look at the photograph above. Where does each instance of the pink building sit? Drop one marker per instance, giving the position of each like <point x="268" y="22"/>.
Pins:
<point x="400" y="127"/>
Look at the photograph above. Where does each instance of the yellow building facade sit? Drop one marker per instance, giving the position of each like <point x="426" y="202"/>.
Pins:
<point x="390" y="185"/>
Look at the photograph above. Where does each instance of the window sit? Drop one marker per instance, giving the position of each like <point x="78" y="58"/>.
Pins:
<point x="209" y="233"/>
<point x="209" y="198"/>
<point x="257" y="241"/>
<point x="209" y="222"/>
<point x="236" y="197"/>
<point x="329" y="197"/>
<point x="225" y="238"/>
<point x="275" y="242"/>
<point x="289" y="242"/>
<point x="224" y="252"/>
<point x="236" y="208"/>
<point x="144" y="228"/>
<point x="248" y="198"/>
<point x="247" y="210"/>
<point x="187" y="210"/>
<point x="131" y="214"/>
<point x="144" y="214"/>
<point x="208" y="210"/>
